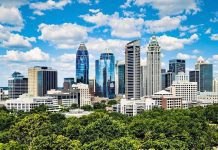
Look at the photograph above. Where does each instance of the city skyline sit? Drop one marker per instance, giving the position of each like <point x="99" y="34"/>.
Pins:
<point x="50" y="35"/>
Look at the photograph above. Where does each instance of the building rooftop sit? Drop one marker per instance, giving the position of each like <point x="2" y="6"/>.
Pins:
<point x="82" y="46"/>
<point x="77" y="113"/>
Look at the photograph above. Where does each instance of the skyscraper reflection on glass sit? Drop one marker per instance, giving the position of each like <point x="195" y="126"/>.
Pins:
<point x="105" y="75"/>
<point x="82" y="65"/>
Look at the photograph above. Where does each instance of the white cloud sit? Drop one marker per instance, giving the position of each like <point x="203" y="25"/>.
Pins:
<point x="18" y="41"/>
<point x="214" y="20"/>
<point x="67" y="58"/>
<point x="196" y="51"/>
<point x="164" y="24"/>
<point x="215" y="57"/>
<point x="126" y="4"/>
<point x="208" y="31"/>
<point x="185" y="56"/>
<point x="32" y="55"/>
<point x="13" y="3"/>
<point x="11" y="17"/>
<point x="171" y="7"/>
<point x="39" y="7"/>
<point x="63" y="36"/>
<point x="94" y="10"/>
<point x="172" y="43"/>
<point x="120" y="27"/>
<point x="214" y="37"/>
<point x="84" y="1"/>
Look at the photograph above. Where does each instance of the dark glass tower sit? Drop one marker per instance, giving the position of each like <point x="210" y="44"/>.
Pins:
<point x="206" y="77"/>
<point x="82" y="65"/>
<point x="17" y="85"/>
<point x="176" y="66"/>
<point x="105" y="75"/>
<point x="121" y="79"/>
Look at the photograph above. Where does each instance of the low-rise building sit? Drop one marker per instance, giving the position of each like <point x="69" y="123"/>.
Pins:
<point x="133" y="107"/>
<point x="76" y="113"/>
<point x="167" y="100"/>
<point x="206" y="98"/>
<point x="26" y="102"/>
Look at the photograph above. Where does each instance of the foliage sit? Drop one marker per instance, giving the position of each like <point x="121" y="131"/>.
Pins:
<point x="87" y="107"/>
<point x="194" y="128"/>
<point x="99" y="105"/>
<point x="111" y="102"/>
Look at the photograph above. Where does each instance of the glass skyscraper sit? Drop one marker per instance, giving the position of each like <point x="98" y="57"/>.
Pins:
<point x="121" y="79"/>
<point x="82" y="65"/>
<point x="105" y="75"/>
<point x="17" y="85"/>
<point x="206" y="77"/>
<point x="176" y="66"/>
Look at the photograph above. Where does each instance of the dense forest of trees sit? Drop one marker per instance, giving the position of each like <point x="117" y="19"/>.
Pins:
<point x="194" y="128"/>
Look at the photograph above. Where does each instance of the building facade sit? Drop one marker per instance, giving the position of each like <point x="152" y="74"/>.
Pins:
<point x="176" y="66"/>
<point x="154" y="67"/>
<point x="92" y="87"/>
<point x="144" y="81"/>
<point x="82" y="65"/>
<point x="181" y="87"/>
<point x="68" y="82"/>
<point x="215" y="85"/>
<point x="40" y="80"/>
<point x="194" y="76"/>
<point x="132" y="70"/>
<point x="17" y="85"/>
<point x="207" y="98"/>
<point x="121" y="78"/>
<point x="84" y="95"/>
<point x="105" y="75"/>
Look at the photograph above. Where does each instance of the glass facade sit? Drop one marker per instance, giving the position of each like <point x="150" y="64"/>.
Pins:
<point x="82" y="65"/>
<point x="176" y="66"/>
<point x="206" y="77"/>
<point x="194" y="77"/>
<point x="17" y="85"/>
<point x="105" y="76"/>
<point x="121" y="79"/>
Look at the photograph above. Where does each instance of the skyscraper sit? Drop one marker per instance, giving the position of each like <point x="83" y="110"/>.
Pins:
<point x="144" y="81"/>
<point x="40" y="80"/>
<point x="82" y="65"/>
<point x="105" y="75"/>
<point x="68" y="82"/>
<point x="121" y="78"/>
<point x="176" y="66"/>
<point x="215" y="85"/>
<point x="154" y="67"/>
<point x="205" y="75"/>
<point x="132" y="70"/>
<point x="17" y="85"/>
<point x="194" y="76"/>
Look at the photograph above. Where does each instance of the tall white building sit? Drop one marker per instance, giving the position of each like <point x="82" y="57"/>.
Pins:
<point x="144" y="81"/>
<point x="154" y="67"/>
<point x="215" y="85"/>
<point x="85" y="97"/>
<point x="132" y="70"/>
<point x="182" y="87"/>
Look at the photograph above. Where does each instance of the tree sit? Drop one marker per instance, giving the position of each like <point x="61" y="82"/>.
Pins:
<point x="74" y="106"/>
<point x="125" y="143"/>
<point x="40" y="108"/>
<point x="111" y="102"/>
<point x="99" y="105"/>
<point x="99" y="144"/>
<point x="87" y="108"/>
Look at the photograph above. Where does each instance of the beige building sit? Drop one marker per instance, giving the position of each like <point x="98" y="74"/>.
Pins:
<point x="40" y="80"/>
<point x="215" y="85"/>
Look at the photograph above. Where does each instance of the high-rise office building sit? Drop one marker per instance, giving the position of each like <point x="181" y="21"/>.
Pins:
<point x="167" y="79"/>
<point x="105" y="75"/>
<point x="154" y="67"/>
<point x="121" y="78"/>
<point x="205" y="75"/>
<point x="17" y="85"/>
<point x="40" y="80"/>
<point x="144" y="80"/>
<point x="68" y="82"/>
<point x="195" y="77"/>
<point x="176" y="66"/>
<point x="82" y="65"/>
<point x="132" y="70"/>
<point x="215" y="85"/>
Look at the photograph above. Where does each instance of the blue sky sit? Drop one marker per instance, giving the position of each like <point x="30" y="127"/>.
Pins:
<point x="48" y="32"/>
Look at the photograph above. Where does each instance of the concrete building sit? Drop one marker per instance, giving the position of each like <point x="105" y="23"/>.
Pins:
<point x="64" y="98"/>
<point x="77" y="113"/>
<point x="40" y="80"/>
<point x="92" y="87"/>
<point x="154" y="67"/>
<point x="167" y="100"/>
<point x="133" y="107"/>
<point x="17" y="85"/>
<point x="215" y="85"/>
<point x="144" y="81"/>
<point x="181" y="87"/>
<point x="85" y="97"/>
<point x="132" y="70"/>
<point x="207" y="98"/>
<point x="26" y="102"/>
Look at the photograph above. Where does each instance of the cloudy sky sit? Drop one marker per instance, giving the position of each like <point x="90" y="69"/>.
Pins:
<point x="48" y="32"/>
